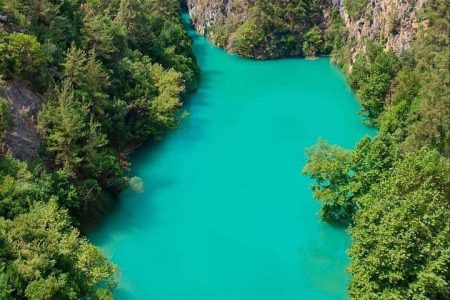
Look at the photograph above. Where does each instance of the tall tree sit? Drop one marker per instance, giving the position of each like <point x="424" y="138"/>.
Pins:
<point x="400" y="246"/>
<point x="43" y="257"/>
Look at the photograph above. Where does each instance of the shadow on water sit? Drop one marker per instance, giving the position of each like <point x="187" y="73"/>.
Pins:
<point x="148" y="153"/>
<point x="136" y="220"/>
<point x="121" y="293"/>
<point x="205" y="80"/>
<point x="319" y="260"/>
<point x="193" y="134"/>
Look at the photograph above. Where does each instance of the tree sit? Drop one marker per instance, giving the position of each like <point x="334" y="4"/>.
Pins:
<point x="101" y="33"/>
<point x="372" y="75"/>
<point x="78" y="147"/>
<point x="111" y="74"/>
<point x="342" y="178"/>
<point x="155" y="97"/>
<point x="16" y="186"/>
<point x="44" y="257"/>
<point x="20" y="55"/>
<point x="63" y="124"/>
<point x="165" y="106"/>
<point x="5" y="120"/>
<point x="248" y="38"/>
<point x="400" y="246"/>
<point x="88" y="78"/>
<point x="330" y="167"/>
<point x="334" y="34"/>
<point x="312" y="42"/>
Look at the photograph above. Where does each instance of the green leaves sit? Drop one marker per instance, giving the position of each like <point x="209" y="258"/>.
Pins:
<point x="47" y="258"/>
<point x="371" y="77"/>
<point x="63" y="124"/>
<point x="20" y="55"/>
<point x="400" y="235"/>
<point x="5" y="119"/>
<point x="399" y="182"/>
<point x="312" y="42"/>
<point x="16" y="185"/>
<point x="269" y="29"/>
<point x="111" y="74"/>
<point x="154" y="99"/>
<point x="330" y="167"/>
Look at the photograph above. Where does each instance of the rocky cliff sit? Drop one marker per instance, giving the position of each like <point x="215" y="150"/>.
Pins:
<point x="205" y="14"/>
<point x="393" y="22"/>
<point x="255" y="28"/>
<point x="22" y="138"/>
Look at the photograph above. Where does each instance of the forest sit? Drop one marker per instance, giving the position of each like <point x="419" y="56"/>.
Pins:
<point x="112" y="75"/>
<point x="393" y="190"/>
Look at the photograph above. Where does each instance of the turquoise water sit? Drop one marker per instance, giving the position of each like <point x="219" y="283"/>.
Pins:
<point x="226" y="214"/>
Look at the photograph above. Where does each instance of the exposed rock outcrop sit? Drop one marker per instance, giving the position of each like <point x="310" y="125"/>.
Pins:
<point x="22" y="137"/>
<point x="394" y="22"/>
<point x="257" y="29"/>
<point x="205" y="14"/>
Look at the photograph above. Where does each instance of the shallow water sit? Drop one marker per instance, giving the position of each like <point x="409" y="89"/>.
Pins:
<point x="226" y="214"/>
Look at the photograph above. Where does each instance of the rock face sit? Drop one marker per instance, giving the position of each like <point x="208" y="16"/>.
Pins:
<point x="255" y="28"/>
<point x="22" y="138"/>
<point x="391" y="21"/>
<point x="205" y="14"/>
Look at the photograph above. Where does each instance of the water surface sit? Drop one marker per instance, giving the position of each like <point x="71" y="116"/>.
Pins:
<point x="226" y="214"/>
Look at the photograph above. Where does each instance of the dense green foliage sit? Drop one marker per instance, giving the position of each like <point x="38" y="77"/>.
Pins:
<point x="20" y="55"/>
<point x="43" y="257"/>
<point x="330" y="167"/>
<point x="371" y="76"/>
<point x="312" y="42"/>
<point x="394" y="189"/>
<point x="268" y="29"/>
<point x="401" y="235"/>
<point x="4" y="119"/>
<point x="112" y="74"/>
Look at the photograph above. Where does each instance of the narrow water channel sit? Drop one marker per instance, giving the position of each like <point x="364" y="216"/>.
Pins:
<point x="226" y="214"/>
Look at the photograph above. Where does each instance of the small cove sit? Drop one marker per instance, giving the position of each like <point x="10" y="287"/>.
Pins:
<point x="225" y="213"/>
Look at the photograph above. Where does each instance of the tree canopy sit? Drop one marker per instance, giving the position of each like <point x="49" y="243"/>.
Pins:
<point x="111" y="75"/>
<point x="393" y="190"/>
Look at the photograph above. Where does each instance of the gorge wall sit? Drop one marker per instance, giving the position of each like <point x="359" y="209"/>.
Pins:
<point x="254" y="28"/>
<point x="228" y="22"/>
<point x="394" y="22"/>
<point x="22" y="137"/>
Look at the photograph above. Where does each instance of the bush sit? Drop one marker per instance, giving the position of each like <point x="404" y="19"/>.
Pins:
<point x="312" y="42"/>
<point x="355" y="8"/>
<point x="372" y="75"/>
<point x="4" y="119"/>
<point x="247" y="38"/>
<point x="20" y="55"/>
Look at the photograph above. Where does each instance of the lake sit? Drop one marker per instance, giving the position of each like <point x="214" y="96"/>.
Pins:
<point x="225" y="213"/>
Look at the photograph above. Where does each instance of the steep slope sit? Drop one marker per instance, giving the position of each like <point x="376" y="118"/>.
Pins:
<point x="393" y="23"/>
<point x="256" y="28"/>
<point x="261" y="29"/>
<point x="22" y="137"/>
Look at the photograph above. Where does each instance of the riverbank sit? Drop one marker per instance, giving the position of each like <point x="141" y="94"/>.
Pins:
<point x="225" y="213"/>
